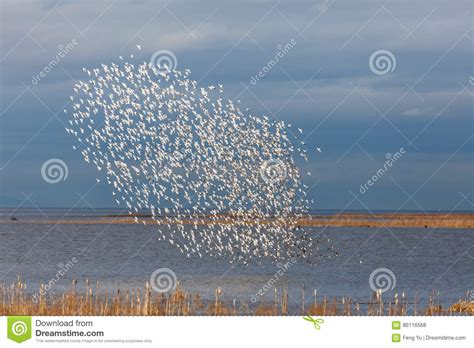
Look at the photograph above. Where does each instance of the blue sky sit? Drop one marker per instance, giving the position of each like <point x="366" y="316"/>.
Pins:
<point x="323" y="84"/>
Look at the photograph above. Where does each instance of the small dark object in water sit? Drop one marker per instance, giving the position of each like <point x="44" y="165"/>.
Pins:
<point x="14" y="218"/>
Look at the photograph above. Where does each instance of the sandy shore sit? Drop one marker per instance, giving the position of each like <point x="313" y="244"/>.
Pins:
<point x="400" y="220"/>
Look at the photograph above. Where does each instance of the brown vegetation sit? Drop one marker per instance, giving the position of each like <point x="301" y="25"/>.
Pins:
<point x="14" y="300"/>
<point x="401" y="220"/>
<point x="396" y="220"/>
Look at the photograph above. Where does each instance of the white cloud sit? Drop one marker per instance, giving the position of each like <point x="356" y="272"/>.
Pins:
<point x="414" y="112"/>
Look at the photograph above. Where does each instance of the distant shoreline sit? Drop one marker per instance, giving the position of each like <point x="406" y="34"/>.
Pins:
<point x="379" y="220"/>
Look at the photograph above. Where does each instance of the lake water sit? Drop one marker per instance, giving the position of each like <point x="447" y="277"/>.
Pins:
<point x="125" y="256"/>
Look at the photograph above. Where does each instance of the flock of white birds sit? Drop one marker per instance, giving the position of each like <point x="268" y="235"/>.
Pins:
<point x="216" y="180"/>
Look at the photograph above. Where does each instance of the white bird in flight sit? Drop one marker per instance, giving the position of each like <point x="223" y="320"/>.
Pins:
<point x="217" y="180"/>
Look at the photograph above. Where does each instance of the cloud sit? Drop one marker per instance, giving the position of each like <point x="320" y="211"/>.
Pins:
<point x="228" y="42"/>
<point x="414" y="112"/>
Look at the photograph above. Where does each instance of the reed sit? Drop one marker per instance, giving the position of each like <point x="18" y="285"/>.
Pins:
<point x="14" y="300"/>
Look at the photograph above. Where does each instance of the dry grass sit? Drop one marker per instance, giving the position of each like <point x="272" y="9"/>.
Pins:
<point x="398" y="220"/>
<point x="14" y="300"/>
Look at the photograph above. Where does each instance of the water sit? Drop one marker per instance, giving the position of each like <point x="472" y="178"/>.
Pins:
<point x="125" y="256"/>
